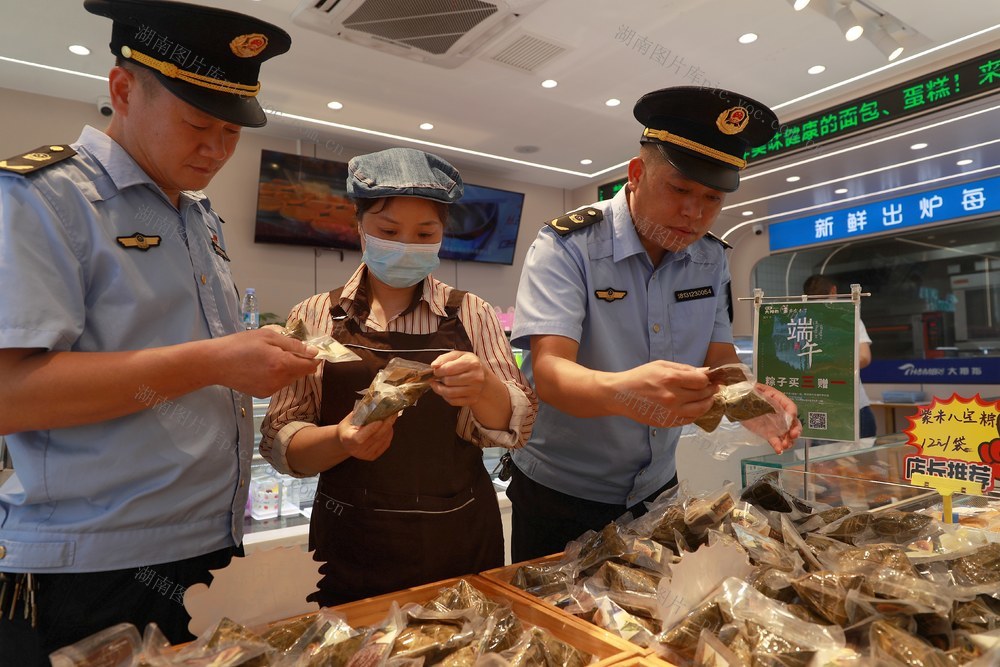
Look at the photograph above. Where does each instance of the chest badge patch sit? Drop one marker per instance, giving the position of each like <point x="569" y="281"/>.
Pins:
<point x="610" y="294"/>
<point x="694" y="293"/>
<point x="138" y="241"/>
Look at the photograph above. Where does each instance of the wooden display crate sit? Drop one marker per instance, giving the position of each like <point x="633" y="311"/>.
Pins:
<point x="607" y="648"/>
<point x="650" y="659"/>
<point x="645" y="657"/>
<point x="503" y="575"/>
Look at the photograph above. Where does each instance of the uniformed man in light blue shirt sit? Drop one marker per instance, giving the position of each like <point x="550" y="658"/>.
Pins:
<point x="623" y="304"/>
<point x="126" y="373"/>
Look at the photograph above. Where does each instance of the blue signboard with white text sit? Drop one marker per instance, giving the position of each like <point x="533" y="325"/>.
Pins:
<point x="932" y="207"/>
<point x="958" y="370"/>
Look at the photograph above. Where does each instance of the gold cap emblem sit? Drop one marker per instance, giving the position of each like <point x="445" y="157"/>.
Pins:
<point x="248" y="46"/>
<point x="733" y="120"/>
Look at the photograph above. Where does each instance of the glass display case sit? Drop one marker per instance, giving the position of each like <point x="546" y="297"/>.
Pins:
<point x="869" y="478"/>
<point x="276" y="500"/>
<point x="841" y="473"/>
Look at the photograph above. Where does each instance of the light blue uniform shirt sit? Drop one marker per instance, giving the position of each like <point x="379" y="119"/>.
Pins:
<point x="160" y="485"/>
<point x="614" y="459"/>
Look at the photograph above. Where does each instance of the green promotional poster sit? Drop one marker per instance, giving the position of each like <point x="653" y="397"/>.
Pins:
<point x="807" y="351"/>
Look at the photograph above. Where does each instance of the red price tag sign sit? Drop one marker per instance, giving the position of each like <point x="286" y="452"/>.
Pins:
<point x="957" y="438"/>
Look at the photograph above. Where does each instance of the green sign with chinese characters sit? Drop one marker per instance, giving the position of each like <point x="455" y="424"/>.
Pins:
<point x="965" y="80"/>
<point x="807" y="350"/>
<point x="609" y="190"/>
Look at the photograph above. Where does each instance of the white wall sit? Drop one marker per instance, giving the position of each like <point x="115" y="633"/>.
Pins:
<point x="282" y="275"/>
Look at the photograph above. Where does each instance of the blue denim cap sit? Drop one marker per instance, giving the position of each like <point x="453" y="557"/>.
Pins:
<point x="403" y="172"/>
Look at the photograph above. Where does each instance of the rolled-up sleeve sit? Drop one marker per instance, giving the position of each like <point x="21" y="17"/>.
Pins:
<point x="292" y="408"/>
<point x="490" y="344"/>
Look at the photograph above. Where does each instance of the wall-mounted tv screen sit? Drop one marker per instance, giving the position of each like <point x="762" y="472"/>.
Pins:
<point x="303" y="201"/>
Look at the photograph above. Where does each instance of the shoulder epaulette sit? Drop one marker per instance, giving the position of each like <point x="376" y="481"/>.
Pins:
<point x="715" y="238"/>
<point x="578" y="219"/>
<point x="41" y="157"/>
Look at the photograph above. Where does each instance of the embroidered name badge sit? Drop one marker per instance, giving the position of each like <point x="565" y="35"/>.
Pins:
<point x="696" y="293"/>
<point x="138" y="241"/>
<point x="610" y="294"/>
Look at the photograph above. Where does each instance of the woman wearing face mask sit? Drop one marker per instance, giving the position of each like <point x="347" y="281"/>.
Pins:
<point x="404" y="501"/>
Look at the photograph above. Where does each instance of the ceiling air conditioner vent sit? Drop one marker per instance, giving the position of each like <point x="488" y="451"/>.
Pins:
<point x="445" y="33"/>
<point x="527" y="53"/>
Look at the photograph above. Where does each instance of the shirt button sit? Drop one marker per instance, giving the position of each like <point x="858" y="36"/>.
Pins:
<point x="656" y="328"/>
<point x="654" y="433"/>
<point x="204" y="280"/>
<point x="243" y="483"/>
<point x="3" y="551"/>
<point x="243" y="412"/>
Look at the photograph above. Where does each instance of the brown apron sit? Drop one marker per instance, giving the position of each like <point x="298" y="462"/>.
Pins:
<point x="426" y="509"/>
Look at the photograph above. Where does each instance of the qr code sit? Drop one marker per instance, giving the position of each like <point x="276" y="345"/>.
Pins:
<point x="817" y="421"/>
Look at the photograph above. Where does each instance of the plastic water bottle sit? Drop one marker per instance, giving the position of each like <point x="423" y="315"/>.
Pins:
<point x="251" y="315"/>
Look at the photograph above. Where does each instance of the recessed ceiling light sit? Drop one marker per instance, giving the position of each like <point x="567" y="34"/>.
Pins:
<point x="918" y="146"/>
<point x="550" y="83"/>
<point x="799" y="5"/>
<point x="336" y="106"/>
<point x="962" y="163"/>
<point x="613" y="102"/>
<point x="748" y="38"/>
<point x="840" y="191"/>
<point x="79" y="50"/>
<point x="747" y="214"/>
<point x="792" y="179"/>
<point x="816" y="69"/>
<point x="426" y="126"/>
<point x="586" y="161"/>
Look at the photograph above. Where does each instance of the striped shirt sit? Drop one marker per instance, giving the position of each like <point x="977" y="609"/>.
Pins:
<point x="297" y="406"/>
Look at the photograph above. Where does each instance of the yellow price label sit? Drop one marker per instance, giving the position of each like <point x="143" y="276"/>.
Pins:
<point x="956" y="438"/>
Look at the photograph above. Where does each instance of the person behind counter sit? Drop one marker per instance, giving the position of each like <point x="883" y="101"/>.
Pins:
<point x="621" y="304"/>
<point x="126" y="371"/>
<point x="404" y="501"/>
<point x="820" y="285"/>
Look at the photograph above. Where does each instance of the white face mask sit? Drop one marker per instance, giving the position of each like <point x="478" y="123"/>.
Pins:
<point x="400" y="264"/>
